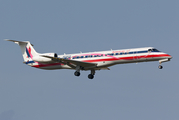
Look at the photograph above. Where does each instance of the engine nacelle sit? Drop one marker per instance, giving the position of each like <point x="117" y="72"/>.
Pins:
<point x="49" y="54"/>
<point x="42" y="59"/>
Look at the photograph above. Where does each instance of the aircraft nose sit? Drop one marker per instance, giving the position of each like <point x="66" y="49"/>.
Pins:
<point x="169" y="56"/>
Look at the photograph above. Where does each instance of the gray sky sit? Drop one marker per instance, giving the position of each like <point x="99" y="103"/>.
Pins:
<point x="128" y="92"/>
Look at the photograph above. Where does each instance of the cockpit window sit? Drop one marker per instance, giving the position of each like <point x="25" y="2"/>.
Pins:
<point x="149" y="50"/>
<point x="155" y="50"/>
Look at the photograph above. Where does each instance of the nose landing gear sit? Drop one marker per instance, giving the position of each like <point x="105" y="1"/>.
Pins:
<point x="161" y="61"/>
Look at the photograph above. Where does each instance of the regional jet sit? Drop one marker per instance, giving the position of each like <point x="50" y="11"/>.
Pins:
<point x="91" y="61"/>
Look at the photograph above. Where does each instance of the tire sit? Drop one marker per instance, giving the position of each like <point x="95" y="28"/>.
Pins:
<point x="90" y="76"/>
<point x="160" y="67"/>
<point x="77" y="73"/>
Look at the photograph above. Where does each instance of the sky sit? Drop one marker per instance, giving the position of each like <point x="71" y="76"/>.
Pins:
<point x="127" y="91"/>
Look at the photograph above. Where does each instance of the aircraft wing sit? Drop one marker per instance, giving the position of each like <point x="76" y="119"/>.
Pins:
<point x="67" y="61"/>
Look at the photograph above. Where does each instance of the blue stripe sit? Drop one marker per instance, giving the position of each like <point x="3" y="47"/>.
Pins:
<point x="142" y="52"/>
<point x="30" y="62"/>
<point x="121" y="53"/>
<point x="131" y="52"/>
<point x="27" y="53"/>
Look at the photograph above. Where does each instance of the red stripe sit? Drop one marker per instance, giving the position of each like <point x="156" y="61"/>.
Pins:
<point x="128" y="58"/>
<point x="109" y="59"/>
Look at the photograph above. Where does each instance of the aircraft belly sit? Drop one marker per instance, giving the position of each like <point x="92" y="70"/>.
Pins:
<point x="54" y="67"/>
<point x="124" y="61"/>
<point x="105" y="64"/>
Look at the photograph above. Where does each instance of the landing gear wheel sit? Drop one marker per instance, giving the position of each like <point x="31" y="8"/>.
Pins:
<point x="77" y="73"/>
<point x="90" y="76"/>
<point x="160" y="67"/>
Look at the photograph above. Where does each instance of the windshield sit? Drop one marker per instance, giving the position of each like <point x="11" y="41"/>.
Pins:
<point x="153" y="50"/>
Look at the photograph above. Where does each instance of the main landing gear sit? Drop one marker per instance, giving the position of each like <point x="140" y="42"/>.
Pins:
<point x="77" y="73"/>
<point x="90" y="76"/>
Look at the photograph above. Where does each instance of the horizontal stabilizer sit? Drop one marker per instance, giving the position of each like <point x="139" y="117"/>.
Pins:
<point x="15" y="41"/>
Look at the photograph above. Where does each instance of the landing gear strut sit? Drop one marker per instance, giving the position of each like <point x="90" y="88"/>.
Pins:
<point x="160" y="66"/>
<point x="163" y="60"/>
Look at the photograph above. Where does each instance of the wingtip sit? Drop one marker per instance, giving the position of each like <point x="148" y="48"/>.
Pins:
<point x="7" y="39"/>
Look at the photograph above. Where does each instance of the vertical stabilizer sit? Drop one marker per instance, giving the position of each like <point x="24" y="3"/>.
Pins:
<point x="28" y="52"/>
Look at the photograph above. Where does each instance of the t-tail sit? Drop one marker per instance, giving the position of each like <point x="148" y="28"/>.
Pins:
<point x="28" y="52"/>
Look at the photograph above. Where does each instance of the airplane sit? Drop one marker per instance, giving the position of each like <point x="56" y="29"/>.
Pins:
<point x="91" y="61"/>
